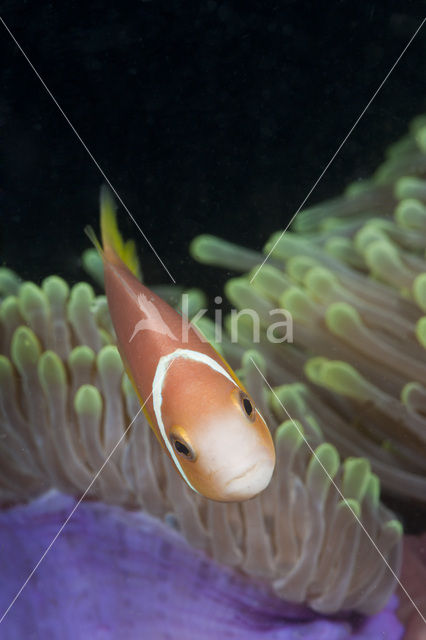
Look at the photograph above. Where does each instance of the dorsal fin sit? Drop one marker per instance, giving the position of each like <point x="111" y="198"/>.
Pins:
<point x="111" y="236"/>
<point x="113" y="247"/>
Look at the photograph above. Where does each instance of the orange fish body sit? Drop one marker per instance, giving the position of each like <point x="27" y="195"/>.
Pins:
<point x="197" y="407"/>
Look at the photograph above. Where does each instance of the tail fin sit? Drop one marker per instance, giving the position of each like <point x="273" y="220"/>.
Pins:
<point x="113" y="246"/>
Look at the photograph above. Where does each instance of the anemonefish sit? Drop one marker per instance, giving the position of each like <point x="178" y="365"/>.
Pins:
<point x="198" y="409"/>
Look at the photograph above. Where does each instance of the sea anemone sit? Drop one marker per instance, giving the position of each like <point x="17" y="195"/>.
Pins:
<point x="414" y="575"/>
<point x="348" y="407"/>
<point x="66" y="405"/>
<point x="115" y="573"/>
<point x="352" y="275"/>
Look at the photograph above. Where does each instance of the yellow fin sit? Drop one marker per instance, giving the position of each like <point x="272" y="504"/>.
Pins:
<point x="142" y="402"/>
<point x="111" y="236"/>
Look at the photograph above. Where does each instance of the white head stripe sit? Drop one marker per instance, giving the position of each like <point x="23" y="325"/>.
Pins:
<point x="157" y="392"/>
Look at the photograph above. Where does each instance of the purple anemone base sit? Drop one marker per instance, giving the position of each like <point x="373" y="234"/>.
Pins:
<point x="114" y="574"/>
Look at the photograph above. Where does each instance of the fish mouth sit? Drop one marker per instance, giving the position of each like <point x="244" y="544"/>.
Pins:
<point x="249" y="482"/>
<point x="242" y="475"/>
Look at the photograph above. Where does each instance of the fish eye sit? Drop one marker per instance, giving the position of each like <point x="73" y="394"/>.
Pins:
<point x="247" y="406"/>
<point x="183" y="448"/>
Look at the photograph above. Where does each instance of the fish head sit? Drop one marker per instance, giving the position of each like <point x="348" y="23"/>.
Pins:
<point x="215" y="434"/>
